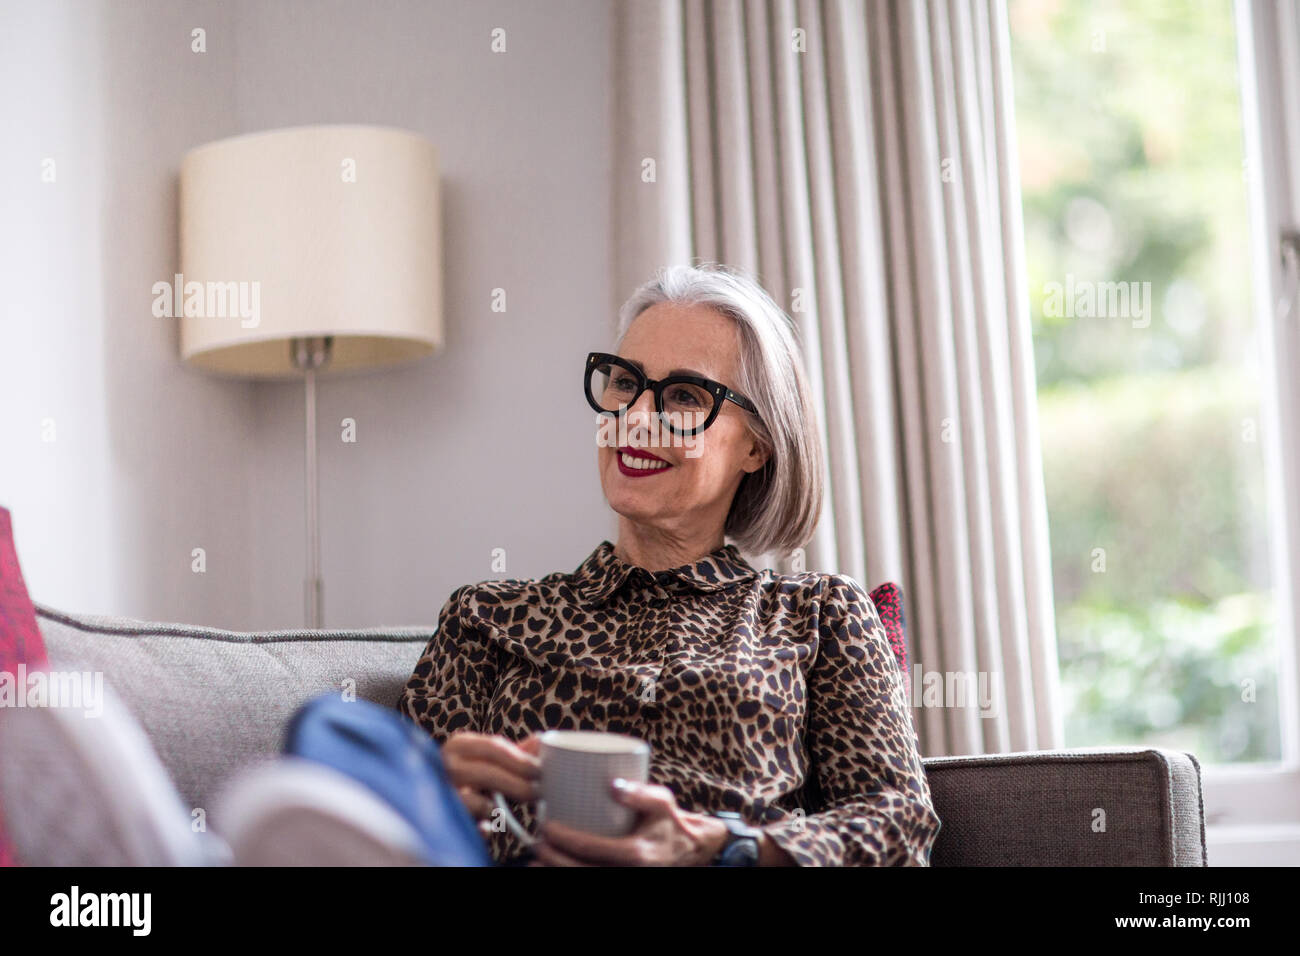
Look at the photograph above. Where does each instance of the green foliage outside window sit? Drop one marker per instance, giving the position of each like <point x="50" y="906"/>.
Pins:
<point x="1131" y="152"/>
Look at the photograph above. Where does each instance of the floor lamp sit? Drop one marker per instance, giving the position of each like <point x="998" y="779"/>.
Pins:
<point x="305" y="252"/>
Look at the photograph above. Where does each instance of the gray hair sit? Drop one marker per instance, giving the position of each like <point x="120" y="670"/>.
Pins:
<point x="777" y="507"/>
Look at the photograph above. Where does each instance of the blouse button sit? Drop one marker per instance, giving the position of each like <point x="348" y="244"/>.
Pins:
<point x="663" y="584"/>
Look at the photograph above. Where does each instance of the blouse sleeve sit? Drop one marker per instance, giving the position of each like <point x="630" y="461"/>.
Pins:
<point x="454" y="678"/>
<point x="876" y="801"/>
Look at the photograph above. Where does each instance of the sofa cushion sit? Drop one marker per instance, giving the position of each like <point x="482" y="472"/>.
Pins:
<point x="214" y="701"/>
<point x="20" y="637"/>
<point x="1090" y="806"/>
<point x="888" y="599"/>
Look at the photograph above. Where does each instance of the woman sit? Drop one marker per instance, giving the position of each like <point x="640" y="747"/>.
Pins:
<point x="774" y="696"/>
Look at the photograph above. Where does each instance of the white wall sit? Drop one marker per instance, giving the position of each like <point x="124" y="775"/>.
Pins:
<point x="145" y="455"/>
<point x="485" y="445"/>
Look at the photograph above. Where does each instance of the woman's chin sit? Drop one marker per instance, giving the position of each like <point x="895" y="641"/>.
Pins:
<point x="631" y="503"/>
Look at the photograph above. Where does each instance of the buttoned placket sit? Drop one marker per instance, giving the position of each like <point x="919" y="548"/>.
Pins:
<point x="655" y="641"/>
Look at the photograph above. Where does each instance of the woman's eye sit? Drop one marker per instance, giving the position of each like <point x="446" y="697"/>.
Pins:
<point x="622" y="382"/>
<point x="683" y="397"/>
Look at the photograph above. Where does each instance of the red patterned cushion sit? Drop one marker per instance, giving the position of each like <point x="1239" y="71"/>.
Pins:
<point x="888" y="599"/>
<point x="20" y="638"/>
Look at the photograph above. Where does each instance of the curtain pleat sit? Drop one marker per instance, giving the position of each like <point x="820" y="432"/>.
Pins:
<point x="770" y="265"/>
<point x="797" y="292"/>
<point x="828" y="284"/>
<point x="859" y="159"/>
<point x="701" y="126"/>
<point x="867" y="339"/>
<point x="1026" y="496"/>
<point x="653" y="218"/>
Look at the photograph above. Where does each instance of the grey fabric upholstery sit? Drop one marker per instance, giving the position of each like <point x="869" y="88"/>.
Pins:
<point x="1046" y="808"/>
<point x="214" y="701"/>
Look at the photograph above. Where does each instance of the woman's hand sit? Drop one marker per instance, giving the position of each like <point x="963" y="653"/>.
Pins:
<point x="481" y="763"/>
<point x="665" y="835"/>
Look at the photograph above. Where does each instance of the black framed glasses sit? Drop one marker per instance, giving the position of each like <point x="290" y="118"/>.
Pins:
<point x="613" y="384"/>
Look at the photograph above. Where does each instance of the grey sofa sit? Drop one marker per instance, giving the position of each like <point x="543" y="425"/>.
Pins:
<point x="215" y="701"/>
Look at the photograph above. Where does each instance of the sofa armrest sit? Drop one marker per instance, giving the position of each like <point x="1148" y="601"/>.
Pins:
<point x="1084" y="807"/>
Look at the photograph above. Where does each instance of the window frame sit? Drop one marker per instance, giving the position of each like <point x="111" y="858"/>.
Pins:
<point x="1242" y="801"/>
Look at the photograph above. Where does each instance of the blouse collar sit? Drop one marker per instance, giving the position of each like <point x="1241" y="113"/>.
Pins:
<point x="603" y="573"/>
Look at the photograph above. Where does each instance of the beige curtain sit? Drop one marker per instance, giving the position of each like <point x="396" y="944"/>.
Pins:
<point x="859" y="159"/>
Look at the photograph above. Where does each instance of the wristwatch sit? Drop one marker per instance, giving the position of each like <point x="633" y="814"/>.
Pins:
<point x="741" y="848"/>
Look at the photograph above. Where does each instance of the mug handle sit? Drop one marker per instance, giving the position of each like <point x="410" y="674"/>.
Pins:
<point x="517" y="828"/>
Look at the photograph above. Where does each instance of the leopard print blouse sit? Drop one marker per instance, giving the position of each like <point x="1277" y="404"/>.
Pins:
<point x="777" y="696"/>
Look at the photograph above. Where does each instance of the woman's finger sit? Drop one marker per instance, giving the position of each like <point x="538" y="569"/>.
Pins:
<point x="593" y="849"/>
<point x="484" y="777"/>
<point x="649" y="798"/>
<point x="478" y="804"/>
<point x="494" y="749"/>
<point x="532" y="744"/>
<point x="551" y="856"/>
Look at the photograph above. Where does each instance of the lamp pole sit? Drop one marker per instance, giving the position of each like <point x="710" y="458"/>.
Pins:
<point x="310" y="354"/>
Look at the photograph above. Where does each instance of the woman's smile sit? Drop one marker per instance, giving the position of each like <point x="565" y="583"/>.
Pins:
<point x="638" y="463"/>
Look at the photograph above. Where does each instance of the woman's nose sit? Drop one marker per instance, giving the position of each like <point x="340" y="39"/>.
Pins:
<point x="644" y="407"/>
<point x="642" y="410"/>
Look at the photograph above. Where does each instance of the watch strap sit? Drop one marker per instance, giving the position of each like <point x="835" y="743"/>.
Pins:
<point x="741" y="847"/>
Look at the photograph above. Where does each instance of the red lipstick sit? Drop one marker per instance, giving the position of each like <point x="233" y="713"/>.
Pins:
<point x="640" y="454"/>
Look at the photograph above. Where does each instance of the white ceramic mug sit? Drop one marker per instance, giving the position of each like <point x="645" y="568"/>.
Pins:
<point x="578" y="767"/>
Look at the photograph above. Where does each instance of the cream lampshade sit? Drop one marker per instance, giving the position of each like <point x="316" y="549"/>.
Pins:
<point x="306" y="251"/>
<point x="338" y="225"/>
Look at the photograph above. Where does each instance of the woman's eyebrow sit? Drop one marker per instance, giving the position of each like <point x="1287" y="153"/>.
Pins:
<point x="675" y="371"/>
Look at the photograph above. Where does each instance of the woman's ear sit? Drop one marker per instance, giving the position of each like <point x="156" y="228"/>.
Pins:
<point x="758" y="457"/>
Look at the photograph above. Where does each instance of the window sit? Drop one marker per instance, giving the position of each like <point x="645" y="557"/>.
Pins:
<point x="1148" y="357"/>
